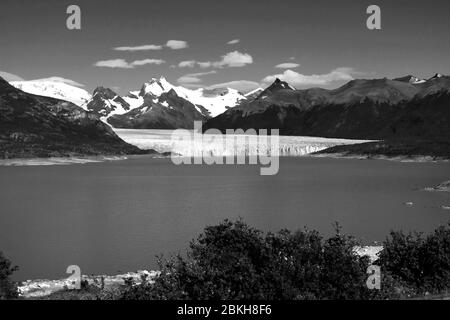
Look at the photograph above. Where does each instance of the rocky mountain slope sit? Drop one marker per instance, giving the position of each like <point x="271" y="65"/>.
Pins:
<point x="361" y="109"/>
<point x="36" y="126"/>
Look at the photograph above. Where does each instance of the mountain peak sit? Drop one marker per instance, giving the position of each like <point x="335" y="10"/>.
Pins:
<point x="106" y="92"/>
<point x="410" y="79"/>
<point x="156" y="87"/>
<point x="437" y="76"/>
<point x="172" y="93"/>
<point x="279" y="84"/>
<point x="276" y="86"/>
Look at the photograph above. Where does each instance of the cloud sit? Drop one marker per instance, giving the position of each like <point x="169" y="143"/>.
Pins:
<point x="10" y="77"/>
<point x="299" y="80"/>
<point x="144" y="47"/>
<point x="231" y="59"/>
<point x="205" y="64"/>
<point x="234" y="41"/>
<point x="147" y="61"/>
<point x="235" y="59"/>
<point x="61" y="80"/>
<point x="240" y="85"/>
<point x="287" y="65"/>
<point x="172" y="44"/>
<point x="192" y="78"/>
<point x="123" y="64"/>
<point x="115" y="63"/>
<point x="176" y="44"/>
<point x="187" y="64"/>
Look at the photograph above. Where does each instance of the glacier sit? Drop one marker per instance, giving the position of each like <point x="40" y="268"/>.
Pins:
<point x="214" y="145"/>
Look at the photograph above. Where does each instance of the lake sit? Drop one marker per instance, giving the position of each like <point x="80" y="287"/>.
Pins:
<point x="117" y="216"/>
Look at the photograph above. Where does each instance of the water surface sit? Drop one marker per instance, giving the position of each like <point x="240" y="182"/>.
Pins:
<point x="116" y="216"/>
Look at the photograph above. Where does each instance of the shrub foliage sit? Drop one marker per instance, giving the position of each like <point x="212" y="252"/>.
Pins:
<point x="421" y="263"/>
<point x="8" y="289"/>
<point x="235" y="261"/>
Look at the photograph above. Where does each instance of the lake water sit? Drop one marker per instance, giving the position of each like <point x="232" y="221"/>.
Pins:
<point x="116" y="216"/>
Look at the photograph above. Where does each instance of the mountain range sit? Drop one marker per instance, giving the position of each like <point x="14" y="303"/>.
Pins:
<point x="379" y="109"/>
<point x="360" y="109"/>
<point x="156" y="105"/>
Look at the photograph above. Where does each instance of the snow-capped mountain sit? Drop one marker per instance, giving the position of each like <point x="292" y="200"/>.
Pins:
<point x="168" y="111"/>
<point x="57" y="90"/>
<point x="105" y="103"/>
<point x="215" y="103"/>
<point x="159" y="104"/>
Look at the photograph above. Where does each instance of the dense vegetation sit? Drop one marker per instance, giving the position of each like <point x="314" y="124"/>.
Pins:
<point x="8" y="289"/>
<point x="235" y="261"/>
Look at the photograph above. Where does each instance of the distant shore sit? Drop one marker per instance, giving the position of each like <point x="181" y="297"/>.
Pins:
<point x="17" y="162"/>
<point x="399" y="158"/>
<point x="409" y="150"/>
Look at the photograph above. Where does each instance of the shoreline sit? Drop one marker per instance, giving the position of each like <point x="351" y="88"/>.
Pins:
<point x="39" y="288"/>
<point x="399" y="158"/>
<point x="51" y="161"/>
<point x="22" y="162"/>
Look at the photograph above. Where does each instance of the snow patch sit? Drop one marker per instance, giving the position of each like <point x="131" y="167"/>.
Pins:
<point x="55" y="90"/>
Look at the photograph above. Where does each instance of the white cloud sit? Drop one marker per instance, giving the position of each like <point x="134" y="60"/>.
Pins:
<point x="144" y="47"/>
<point x="192" y="78"/>
<point x="10" y="77"/>
<point x="147" y="61"/>
<point x="123" y="64"/>
<point x="287" y="65"/>
<point x="241" y="85"/>
<point x="234" y="41"/>
<point x="176" y="44"/>
<point x="235" y="59"/>
<point x="299" y="80"/>
<point x="61" y="80"/>
<point x="205" y="64"/>
<point x="231" y="59"/>
<point x="114" y="63"/>
<point x="187" y="64"/>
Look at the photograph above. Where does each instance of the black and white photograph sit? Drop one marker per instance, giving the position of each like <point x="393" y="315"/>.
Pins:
<point x="223" y="152"/>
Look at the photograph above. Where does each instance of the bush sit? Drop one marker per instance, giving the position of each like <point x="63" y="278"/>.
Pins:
<point x="8" y="289"/>
<point x="235" y="261"/>
<point x="421" y="263"/>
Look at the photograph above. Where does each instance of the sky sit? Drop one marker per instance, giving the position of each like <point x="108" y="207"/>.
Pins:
<point x="206" y="43"/>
